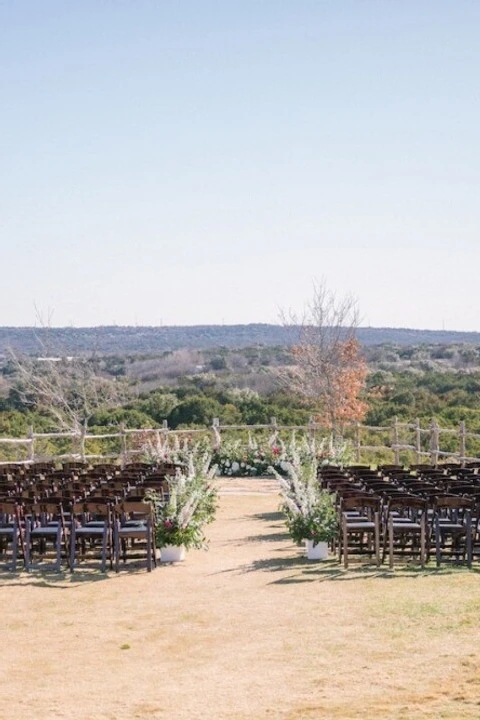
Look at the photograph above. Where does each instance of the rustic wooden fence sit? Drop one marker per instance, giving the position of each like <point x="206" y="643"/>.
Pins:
<point x="399" y="442"/>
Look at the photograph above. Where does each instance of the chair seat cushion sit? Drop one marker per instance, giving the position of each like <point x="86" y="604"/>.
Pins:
<point x="51" y="530"/>
<point x="360" y="526"/>
<point x="412" y="526"/>
<point x="452" y="527"/>
<point x="90" y="530"/>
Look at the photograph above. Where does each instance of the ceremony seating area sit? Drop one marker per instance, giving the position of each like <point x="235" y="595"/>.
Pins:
<point x="407" y="513"/>
<point x="79" y="515"/>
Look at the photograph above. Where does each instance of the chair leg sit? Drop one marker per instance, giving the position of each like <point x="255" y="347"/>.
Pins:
<point x="27" y="554"/>
<point x="468" y="539"/>
<point x="116" y="541"/>
<point x="438" y="555"/>
<point x="345" y="544"/>
<point x="72" y="548"/>
<point x="58" y="564"/>
<point x="422" y="541"/>
<point x="110" y="546"/>
<point x="149" y="550"/>
<point x="103" y="566"/>
<point x="21" y="536"/>
<point x="390" y="542"/>
<point x="14" y="549"/>
<point x="377" y="539"/>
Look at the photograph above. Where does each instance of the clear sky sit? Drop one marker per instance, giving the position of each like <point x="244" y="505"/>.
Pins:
<point x="206" y="161"/>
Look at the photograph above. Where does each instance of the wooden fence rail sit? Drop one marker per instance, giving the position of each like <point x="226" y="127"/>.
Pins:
<point x="423" y="444"/>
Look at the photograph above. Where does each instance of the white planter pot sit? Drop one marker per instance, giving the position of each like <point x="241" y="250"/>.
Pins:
<point x="316" y="552"/>
<point x="172" y="553"/>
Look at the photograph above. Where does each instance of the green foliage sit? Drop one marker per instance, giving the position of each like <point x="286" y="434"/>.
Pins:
<point x="130" y="417"/>
<point x="218" y="363"/>
<point x="409" y="395"/>
<point x="15" y="424"/>
<point x="319" y="525"/>
<point x="197" y="410"/>
<point x="114" y="365"/>
<point x="158" y="405"/>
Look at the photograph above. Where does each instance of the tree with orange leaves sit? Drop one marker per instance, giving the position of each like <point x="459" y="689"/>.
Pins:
<point x="327" y="367"/>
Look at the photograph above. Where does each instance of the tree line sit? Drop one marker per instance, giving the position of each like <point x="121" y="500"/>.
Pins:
<point x="324" y="374"/>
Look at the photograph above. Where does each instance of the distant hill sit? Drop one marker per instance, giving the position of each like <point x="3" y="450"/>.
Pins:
<point x="121" y="340"/>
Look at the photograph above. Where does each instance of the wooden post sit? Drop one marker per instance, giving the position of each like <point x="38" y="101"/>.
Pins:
<point x="75" y="437"/>
<point x="395" y="441"/>
<point x="273" y="437"/>
<point x="31" y="445"/>
<point x="462" y="443"/>
<point x="123" y="440"/>
<point x="434" y="436"/>
<point x="216" y="437"/>
<point x="418" y="442"/>
<point x="83" y="432"/>
<point x="165" y="443"/>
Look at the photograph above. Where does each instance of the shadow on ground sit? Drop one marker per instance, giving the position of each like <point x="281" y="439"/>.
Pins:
<point x="300" y="570"/>
<point x="269" y="517"/>
<point x="269" y="537"/>
<point x="64" y="580"/>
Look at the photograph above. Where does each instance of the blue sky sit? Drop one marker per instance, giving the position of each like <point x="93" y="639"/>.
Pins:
<point x="206" y="162"/>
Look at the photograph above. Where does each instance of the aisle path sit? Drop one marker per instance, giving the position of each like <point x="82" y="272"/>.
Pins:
<point x="248" y="486"/>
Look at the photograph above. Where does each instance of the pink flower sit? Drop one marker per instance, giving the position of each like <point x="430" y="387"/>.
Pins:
<point x="275" y="450"/>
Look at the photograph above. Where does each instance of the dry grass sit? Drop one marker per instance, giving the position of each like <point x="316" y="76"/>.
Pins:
<point x="250" y="629"/>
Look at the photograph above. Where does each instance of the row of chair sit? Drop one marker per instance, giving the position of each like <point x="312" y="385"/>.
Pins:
<point x="46" y="535"/>
<point x="78" y="513"/>
<point x="399" y="513"/>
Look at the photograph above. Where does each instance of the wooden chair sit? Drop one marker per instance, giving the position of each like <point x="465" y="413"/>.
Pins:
<point x="75" y="465"/>
<point x="91" y="532"/>
<point x="134" y="532"/>
<point x="45" y="523"/>
<point x="40" y="467"/>
<point x="453" y="529"/>
<point x="100" y="470"/>
<point x="359" y="527"/>
<point x="405" y="528"/>
<point x="160" y="485"/>
<point x="140" y="468"/>
<point x="391" y="469"/>
<point x="170" y="468"/>
<point x="10" y="530"/>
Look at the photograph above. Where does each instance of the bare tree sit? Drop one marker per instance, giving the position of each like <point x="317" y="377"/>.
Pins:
<point x="69" y="389"/>
<point x="327" y="369"/>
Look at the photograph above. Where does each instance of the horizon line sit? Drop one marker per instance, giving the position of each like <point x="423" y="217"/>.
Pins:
<point x="116" y="326"/>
